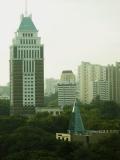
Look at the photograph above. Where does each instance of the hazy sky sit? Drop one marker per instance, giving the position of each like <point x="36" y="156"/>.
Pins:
<point x="71" y="30"/>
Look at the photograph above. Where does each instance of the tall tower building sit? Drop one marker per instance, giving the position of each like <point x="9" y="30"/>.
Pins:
<point x="26" y="69"/>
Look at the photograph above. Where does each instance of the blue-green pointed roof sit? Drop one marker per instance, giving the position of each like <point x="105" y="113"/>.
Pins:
<point x="27" y="25"/>
<point x="76" y="124"/>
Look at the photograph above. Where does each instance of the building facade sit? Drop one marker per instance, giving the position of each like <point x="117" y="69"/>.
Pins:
<point x="26" y="69"/>
<point x="87" y="74"/>
<point x="50" y="86"/>
<point x="113" y="77"/>
<point x="101" y="89"/>
<point x="66" y="89"/>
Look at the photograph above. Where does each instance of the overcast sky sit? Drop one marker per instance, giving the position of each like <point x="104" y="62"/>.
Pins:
<point x="71" y="30"/>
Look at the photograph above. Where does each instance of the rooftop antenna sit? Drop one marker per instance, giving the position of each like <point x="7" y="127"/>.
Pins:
<point x="26" y="7"/>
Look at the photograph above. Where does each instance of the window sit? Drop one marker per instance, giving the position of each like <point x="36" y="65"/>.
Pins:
<point x="21" y="54"/>
<point x="29" y="53"/>
<point x="24" y="54"/>
<point x="34" y="41"/>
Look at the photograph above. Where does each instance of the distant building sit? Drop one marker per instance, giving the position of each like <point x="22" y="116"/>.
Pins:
<point x="51" y="110"/>
<point x="113" y="77"/>
<point x="50" y="86"/>
<point x="66" y="89"/>
<point x="26" y="69"/>
<point x="87" y="74"/>
<point x="101" y="89"/>
<point x="5" y="91"/>
<point x="4" y="98"/>
<point x="67" y="77"/>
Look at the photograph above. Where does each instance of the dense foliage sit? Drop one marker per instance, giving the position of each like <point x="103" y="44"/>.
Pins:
<point x="33" y="138"/>
<point x="4" y="107"/>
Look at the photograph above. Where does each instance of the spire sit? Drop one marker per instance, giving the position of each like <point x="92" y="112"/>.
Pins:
<point x="76" y="125"/>
<point x="26" y="8"/>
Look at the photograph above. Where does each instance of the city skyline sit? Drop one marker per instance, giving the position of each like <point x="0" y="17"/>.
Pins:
<point x="72" y="31"/>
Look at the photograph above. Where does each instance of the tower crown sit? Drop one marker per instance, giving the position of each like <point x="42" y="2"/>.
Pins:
<point x="27" y="25"/>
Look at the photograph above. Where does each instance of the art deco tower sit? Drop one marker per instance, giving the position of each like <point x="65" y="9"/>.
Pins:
<point x="26" y="69"/>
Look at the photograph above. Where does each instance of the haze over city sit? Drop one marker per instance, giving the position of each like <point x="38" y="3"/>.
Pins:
<point x="71" y="30"/>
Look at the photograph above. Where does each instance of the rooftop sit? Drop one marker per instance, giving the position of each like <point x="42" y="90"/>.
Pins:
<point x="27" y="25"/>
<point x="67" y="71"/>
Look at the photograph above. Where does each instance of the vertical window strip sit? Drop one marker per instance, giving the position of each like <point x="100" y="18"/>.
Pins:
<point x="24" y="66"/>
<point x="32" y="53"/>
<point x="35" y="54"/>
<point x="21" y="53"/>
<point x="29" y="66"/>
<point x="24" y="53"/>
<point x="29" y="53"/>
<point x="32" y="66"/>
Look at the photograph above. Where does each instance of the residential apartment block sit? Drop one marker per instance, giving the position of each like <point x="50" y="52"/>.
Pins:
<point x="87" y="74"/>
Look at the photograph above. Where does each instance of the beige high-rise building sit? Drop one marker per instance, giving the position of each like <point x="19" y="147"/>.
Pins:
<point x="88" y="73"/>
<point x="101" y="89"/>
<point x="113" y="76"/>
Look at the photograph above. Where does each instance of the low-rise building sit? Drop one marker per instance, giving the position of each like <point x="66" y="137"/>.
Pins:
<point x="51" y="110"/>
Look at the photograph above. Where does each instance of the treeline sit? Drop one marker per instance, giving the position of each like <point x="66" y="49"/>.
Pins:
<point x="33" y="138"/>
<point x="4" y="107"/>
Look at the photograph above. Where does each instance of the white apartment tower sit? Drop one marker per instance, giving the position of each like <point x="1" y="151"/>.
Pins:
<point x="26" y="69"/>
<point x="88" y="73"/>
